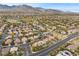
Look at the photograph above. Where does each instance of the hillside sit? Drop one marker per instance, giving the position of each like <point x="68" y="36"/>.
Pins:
<point x="27" y="10"/>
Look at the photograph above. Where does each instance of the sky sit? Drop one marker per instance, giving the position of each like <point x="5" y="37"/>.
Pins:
<point x="72" y="7"/>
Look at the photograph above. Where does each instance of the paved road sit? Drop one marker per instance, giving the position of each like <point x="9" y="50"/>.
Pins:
<point x="45" y="51"/>
<point x="27" y="48"/>
<point x="4" y="35"/>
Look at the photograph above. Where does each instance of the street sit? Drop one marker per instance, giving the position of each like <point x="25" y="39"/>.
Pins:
<point x="45" y="51"/>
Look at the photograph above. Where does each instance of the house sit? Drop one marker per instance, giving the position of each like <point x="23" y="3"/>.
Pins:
<point x="63" y="32"/>
<point x="64" y="53"/>
<point x="8" y="41"/>
<point x="20" y="34"/>
<point x="13" y="49"/>
<point x="9" y="36"/>
<point x="73" y="46"/>
<point x="5" y="51"/>
<point x="70" y="31"/>
<point x="24" y="39"/>
<point x="17" y="41"/>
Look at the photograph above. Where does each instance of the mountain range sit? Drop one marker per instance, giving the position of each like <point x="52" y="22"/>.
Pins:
<point x="28" y="10"/>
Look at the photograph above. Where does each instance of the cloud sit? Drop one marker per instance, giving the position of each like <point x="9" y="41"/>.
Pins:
<point x="39" y="1"/>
